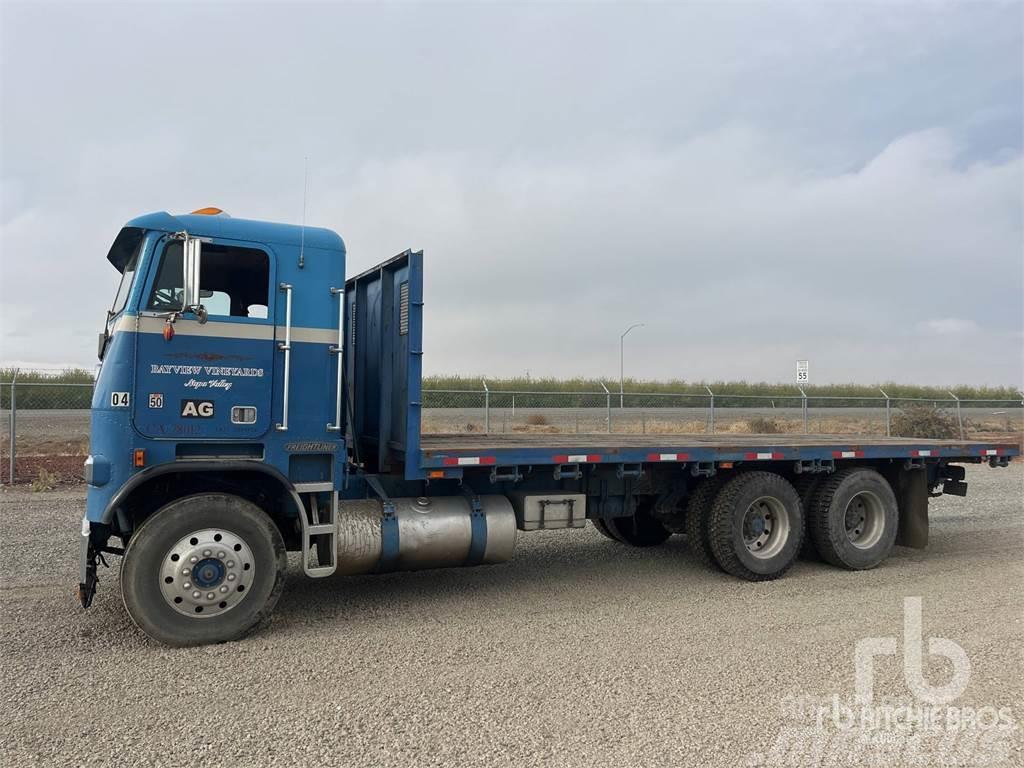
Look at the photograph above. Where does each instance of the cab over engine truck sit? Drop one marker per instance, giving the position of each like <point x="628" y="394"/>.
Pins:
<point x="248" y="393"/>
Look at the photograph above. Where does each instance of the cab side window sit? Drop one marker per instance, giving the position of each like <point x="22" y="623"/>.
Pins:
<point x="233" y="281"/>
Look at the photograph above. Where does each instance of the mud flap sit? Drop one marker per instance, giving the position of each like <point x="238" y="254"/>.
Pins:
<point x="912" y="495"/>
<point x="87" y="575"/>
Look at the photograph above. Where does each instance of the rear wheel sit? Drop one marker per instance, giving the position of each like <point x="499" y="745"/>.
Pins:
<point x="203" y="569"/>
<point x="698" y="516"/>
<point x="639" y="530"/>
<point x="756" y="526"/>
<point x="599" y="524"/>
<point x="854" y="518"/>
<point x="806" y="487"/>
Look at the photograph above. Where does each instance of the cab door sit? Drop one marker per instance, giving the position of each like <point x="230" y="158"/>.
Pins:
<point x="207" y="374"/>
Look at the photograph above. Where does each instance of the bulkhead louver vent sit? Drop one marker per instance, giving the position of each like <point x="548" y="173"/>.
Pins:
<point x="403" y="308"/>
<point x="352" y="327"/>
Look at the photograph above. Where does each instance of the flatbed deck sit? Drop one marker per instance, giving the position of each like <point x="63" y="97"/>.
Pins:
<point x="455" y="450"/>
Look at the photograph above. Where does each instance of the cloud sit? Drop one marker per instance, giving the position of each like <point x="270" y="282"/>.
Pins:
<point x="947" y="326"/>
<point x="756" y="186"/>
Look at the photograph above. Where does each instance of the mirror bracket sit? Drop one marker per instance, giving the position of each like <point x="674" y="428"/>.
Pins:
<point x="192" y="248"/>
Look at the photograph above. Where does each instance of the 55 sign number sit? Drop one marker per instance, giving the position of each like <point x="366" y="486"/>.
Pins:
<point x="803" y="372"/>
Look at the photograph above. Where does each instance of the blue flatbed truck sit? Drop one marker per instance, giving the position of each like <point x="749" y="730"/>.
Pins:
<point x="248" y="393"/>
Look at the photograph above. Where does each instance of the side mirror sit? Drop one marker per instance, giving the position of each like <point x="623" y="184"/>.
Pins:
<point x="191" y="294"/>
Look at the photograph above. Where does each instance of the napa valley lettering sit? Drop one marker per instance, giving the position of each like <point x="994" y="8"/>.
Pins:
<point x="217" y="374"/>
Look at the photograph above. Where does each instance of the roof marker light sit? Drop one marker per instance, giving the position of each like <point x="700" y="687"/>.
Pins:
<point x="209" y="211"/>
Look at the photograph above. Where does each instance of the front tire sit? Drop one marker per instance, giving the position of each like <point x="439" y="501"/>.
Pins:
<point x="203" y="569"/>
<point x="756" y="526"/>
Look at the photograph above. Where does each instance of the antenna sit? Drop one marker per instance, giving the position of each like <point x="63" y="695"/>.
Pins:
<point x="302" y="232"/>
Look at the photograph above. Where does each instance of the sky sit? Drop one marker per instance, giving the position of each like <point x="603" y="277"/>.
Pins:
<point x="755" y="183"/>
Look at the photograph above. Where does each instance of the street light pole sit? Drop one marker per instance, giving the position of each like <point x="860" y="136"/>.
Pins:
<point x="622" y="373"/>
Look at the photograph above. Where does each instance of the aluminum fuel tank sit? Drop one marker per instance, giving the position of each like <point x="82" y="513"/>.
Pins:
<point x="433" y="532"/>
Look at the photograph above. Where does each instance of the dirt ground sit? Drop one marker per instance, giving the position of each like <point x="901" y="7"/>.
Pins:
<point x="580" y="652"/>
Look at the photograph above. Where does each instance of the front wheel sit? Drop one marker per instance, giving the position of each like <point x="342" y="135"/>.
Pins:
<point x="203" y="569"/>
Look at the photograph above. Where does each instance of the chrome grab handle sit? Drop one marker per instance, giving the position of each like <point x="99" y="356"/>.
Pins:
<point x="286" y="347"/>
<point x="336" y="350"/>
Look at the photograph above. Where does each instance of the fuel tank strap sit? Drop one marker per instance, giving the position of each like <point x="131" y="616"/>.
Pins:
<point x="478" y="531"/>
<point x="390" y="544"/>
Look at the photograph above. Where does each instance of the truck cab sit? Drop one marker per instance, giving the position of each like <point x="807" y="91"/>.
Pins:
<point x="218" y="328"/>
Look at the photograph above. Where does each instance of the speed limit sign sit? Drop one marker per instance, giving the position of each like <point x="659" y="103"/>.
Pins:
<point x="803" y="372"/>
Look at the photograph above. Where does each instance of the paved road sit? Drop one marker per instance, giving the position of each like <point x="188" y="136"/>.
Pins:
<point x="579" y="653"/>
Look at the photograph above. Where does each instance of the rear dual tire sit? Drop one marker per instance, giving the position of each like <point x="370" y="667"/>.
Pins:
<point x="639" y="530"/>
<point x="852" y="519"/>
<point x="756" y="526"/>
<point x="698" y="520"/>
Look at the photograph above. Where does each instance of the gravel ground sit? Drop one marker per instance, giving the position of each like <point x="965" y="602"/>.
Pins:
<point x="581" y="652"/>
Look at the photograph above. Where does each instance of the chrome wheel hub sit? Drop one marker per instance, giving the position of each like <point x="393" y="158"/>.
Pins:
<point x="864" y="520"/>
<point x="765" y="527"/>
<point x="207" y="573"/>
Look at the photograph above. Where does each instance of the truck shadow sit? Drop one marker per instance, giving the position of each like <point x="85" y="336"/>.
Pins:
<point x="586" y="568"/>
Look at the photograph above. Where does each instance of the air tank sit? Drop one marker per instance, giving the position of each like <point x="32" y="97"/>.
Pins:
<point x="433" y="532"/>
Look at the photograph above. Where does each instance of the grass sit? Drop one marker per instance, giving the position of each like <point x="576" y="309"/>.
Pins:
<point x="727" y="393"/>
<point x="925" y="421"/>
<point x="724" y="390"/>
<point x="45" y="481"/>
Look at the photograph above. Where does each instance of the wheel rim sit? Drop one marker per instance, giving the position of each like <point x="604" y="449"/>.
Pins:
<point x="765" y="527"/>
<point x="207" y="573"/>
<point x="864" y="520"/>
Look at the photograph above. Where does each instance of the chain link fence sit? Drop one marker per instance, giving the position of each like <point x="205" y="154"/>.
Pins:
<point x="44" y="425"/>
<point x="44" y="430"/>
<point x="489" y="411"/>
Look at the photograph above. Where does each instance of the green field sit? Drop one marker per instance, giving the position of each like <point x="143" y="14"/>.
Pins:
<point x="60" y="390"/>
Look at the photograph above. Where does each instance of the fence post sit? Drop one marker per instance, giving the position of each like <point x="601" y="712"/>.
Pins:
<point x="888" y="414"/>
<point x="803" y="406"/>
<point x="487" y="408"/>
<point x="13" y="415"/>
<point x="608" y="395"/>
<point x="959" y="418"/>
<point x="2" y="384"/>
<point x="711" y="416"/>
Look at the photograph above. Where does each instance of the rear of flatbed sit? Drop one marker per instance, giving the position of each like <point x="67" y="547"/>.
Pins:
<point x="747" y="503"/>
<point x="448" y="452"/>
